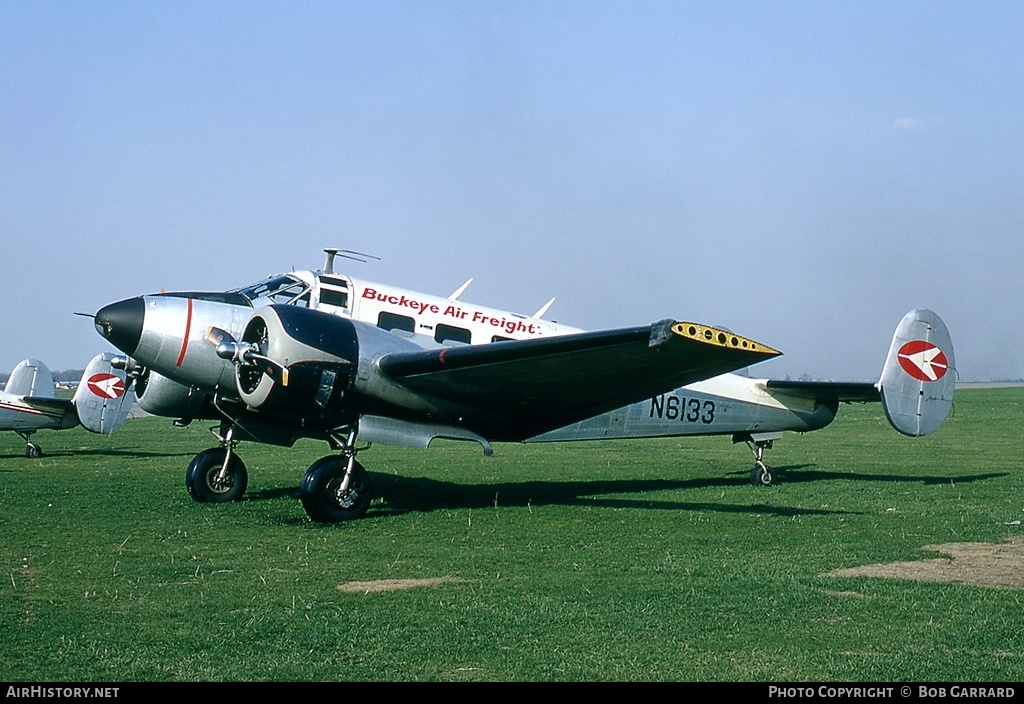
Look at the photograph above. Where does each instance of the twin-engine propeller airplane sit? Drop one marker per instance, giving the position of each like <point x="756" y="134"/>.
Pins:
<point x="324" y="355"/>
<point x="29" y="401"/>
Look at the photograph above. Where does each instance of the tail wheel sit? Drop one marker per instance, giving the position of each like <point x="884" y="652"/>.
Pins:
<point x="208" y="484"/>
<point x="322" y="494"/>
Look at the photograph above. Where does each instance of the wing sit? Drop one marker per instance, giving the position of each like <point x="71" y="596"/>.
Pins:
<point x="829" y="391"/>
<point x="514" y="390"/>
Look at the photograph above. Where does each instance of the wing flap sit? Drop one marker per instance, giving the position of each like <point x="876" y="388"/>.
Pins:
<point x="513" y="390"/>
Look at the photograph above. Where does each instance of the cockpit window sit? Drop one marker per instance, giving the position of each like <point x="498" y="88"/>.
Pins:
<point x="276" y="289"/>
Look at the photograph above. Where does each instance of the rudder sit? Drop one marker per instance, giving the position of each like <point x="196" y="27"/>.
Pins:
<point x="919" y="375"/>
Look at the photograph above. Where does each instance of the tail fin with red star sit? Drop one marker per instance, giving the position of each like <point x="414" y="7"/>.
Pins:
<point x="919" y="375"/>
<point x="103" y="398"/>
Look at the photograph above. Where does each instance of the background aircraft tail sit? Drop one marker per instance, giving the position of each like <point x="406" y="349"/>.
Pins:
<point x="31" y="378"/>
<point x="103" y="399"/>
<point x="919" y="375"/>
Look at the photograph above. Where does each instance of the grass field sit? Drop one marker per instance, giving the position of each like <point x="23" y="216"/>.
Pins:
<point x="606" y="561"/>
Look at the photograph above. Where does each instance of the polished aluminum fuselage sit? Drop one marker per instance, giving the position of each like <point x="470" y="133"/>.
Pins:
<point x="173" y="342"/>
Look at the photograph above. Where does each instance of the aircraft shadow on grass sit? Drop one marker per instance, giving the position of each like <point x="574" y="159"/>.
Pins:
<point x="417" y="494"/>
<point x="428" y="495"/>
<point x="823" y="475"/>
<point x="406" y="495"/>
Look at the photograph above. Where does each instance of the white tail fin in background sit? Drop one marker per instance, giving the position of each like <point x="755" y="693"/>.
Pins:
<point x="919" y="375"/>
<point x="31" y="378"/>
<point x="103" y="399"/>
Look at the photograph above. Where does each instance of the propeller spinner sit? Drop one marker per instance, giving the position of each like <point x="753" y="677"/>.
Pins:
<point x="245" y="353"/>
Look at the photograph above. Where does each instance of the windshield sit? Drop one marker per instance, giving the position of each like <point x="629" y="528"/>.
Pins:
<point x="276" y="289"/>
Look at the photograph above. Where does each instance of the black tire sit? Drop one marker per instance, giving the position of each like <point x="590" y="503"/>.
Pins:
<point x="320" y="491"/>
<point x="201" y="477"/>
<point x="33" y="451"/>
<point x="760" y="475"/>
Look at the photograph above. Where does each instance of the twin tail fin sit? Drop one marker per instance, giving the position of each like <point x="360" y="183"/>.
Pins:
<point x="919" y="375"/>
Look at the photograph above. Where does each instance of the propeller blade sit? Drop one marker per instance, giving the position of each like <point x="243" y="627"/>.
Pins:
<point x="216" y="336"/>
<point x="277" y="372"/>
<point x="227" y="346"/>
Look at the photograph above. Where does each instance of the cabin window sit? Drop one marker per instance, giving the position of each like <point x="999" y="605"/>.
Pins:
<point x="451" y="333"/>
<point x="333" y="298"/>
<point x="499" y="338"/>
<point x="392" y="321"/>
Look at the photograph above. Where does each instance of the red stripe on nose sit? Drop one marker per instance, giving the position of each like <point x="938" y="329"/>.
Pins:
<point x="188" y="329"/>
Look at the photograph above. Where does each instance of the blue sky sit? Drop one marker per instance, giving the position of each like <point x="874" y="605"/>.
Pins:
<point x="801" y="173"/>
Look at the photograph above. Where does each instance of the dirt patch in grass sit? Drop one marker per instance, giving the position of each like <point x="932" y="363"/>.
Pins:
<point x="387" y="585"/>
<point x="979" y="564"/>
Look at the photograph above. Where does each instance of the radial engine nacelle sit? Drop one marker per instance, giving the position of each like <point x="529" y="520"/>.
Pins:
<point x="160" y="396"/>
<point x="300" y="362"/>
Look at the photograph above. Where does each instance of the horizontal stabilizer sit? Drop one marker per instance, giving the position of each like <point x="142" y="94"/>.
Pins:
<point x="55" y="407"/>
<point x="828" y="391"/>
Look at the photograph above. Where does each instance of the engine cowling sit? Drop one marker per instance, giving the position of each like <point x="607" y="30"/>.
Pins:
<point x="317" y="352"/>
<point x="160" y="396"/>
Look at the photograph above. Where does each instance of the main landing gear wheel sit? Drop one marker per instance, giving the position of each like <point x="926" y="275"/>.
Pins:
<point x="325" y="496"/>
<point x="761" y="475"/>
<point x="210" y="481"/>
<point x="32" y="451"/>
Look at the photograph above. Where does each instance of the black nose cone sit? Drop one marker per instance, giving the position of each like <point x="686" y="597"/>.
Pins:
<point x="121" y="323"/>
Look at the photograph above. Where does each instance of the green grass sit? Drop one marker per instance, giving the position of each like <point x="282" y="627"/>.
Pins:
<point x="605" y="561"/>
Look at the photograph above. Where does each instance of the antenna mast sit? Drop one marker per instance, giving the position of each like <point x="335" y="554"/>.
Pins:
<point x="346" y="254"/>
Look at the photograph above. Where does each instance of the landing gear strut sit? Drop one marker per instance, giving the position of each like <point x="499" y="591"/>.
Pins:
<point x="337" y="488"/>
<point x="217" y="475"/>
<point x="32" y="451"/>
<point x="761" y="474"/>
